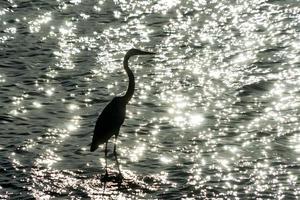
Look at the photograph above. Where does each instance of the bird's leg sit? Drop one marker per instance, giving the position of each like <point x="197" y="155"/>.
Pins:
<point x="106" y="173"/>
<point x="115" y="145"/>
<point x="105" y="177"/>
<point x="120" y="176"/>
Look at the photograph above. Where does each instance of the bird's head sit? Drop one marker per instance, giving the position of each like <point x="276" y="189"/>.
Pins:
<point x="134" y="52"/>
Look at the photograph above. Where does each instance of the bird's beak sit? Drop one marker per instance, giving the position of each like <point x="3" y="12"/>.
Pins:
<point x="146" y="53"/>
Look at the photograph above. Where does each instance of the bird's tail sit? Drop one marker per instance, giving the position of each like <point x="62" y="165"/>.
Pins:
<point x="94" y="146"/>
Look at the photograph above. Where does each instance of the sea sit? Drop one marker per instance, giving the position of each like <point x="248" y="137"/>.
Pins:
<point x="215" y="113"/>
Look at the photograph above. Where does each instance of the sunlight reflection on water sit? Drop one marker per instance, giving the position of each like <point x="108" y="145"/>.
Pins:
<point x="215" y="112"/>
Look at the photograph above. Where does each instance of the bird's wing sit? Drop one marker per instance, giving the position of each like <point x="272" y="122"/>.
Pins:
<point x="109" y="122"/>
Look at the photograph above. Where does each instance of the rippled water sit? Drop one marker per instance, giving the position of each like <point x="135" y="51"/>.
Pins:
<point x="215" y="113"/>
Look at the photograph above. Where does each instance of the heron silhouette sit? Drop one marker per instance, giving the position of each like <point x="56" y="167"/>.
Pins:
<point x="113" y="115"/>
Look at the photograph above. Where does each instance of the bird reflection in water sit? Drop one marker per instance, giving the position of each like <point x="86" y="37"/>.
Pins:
<point x="112" y="118"/>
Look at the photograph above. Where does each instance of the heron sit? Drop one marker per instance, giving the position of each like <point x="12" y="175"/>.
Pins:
<point x="113" y="115"/>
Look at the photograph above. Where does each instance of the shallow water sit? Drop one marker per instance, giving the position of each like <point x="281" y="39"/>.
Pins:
<point x="215" y="113"/>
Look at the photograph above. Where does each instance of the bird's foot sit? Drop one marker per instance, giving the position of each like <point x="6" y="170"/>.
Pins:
<point x="119" y="178"/>
<point x="116" y="178"/>
<point x="104" y="178"/>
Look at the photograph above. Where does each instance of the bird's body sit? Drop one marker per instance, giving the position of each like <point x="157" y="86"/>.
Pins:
<point x="109" y="122"/>
<point x="113" y="115"/>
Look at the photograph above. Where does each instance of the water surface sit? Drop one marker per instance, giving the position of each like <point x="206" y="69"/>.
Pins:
<point x="215" y="113"/>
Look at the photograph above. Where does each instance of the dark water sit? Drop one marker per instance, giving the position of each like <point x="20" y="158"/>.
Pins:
<point x="215" y="112"/>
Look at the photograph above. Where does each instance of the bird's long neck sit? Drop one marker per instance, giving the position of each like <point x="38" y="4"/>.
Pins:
<point x="130" y="89"/>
